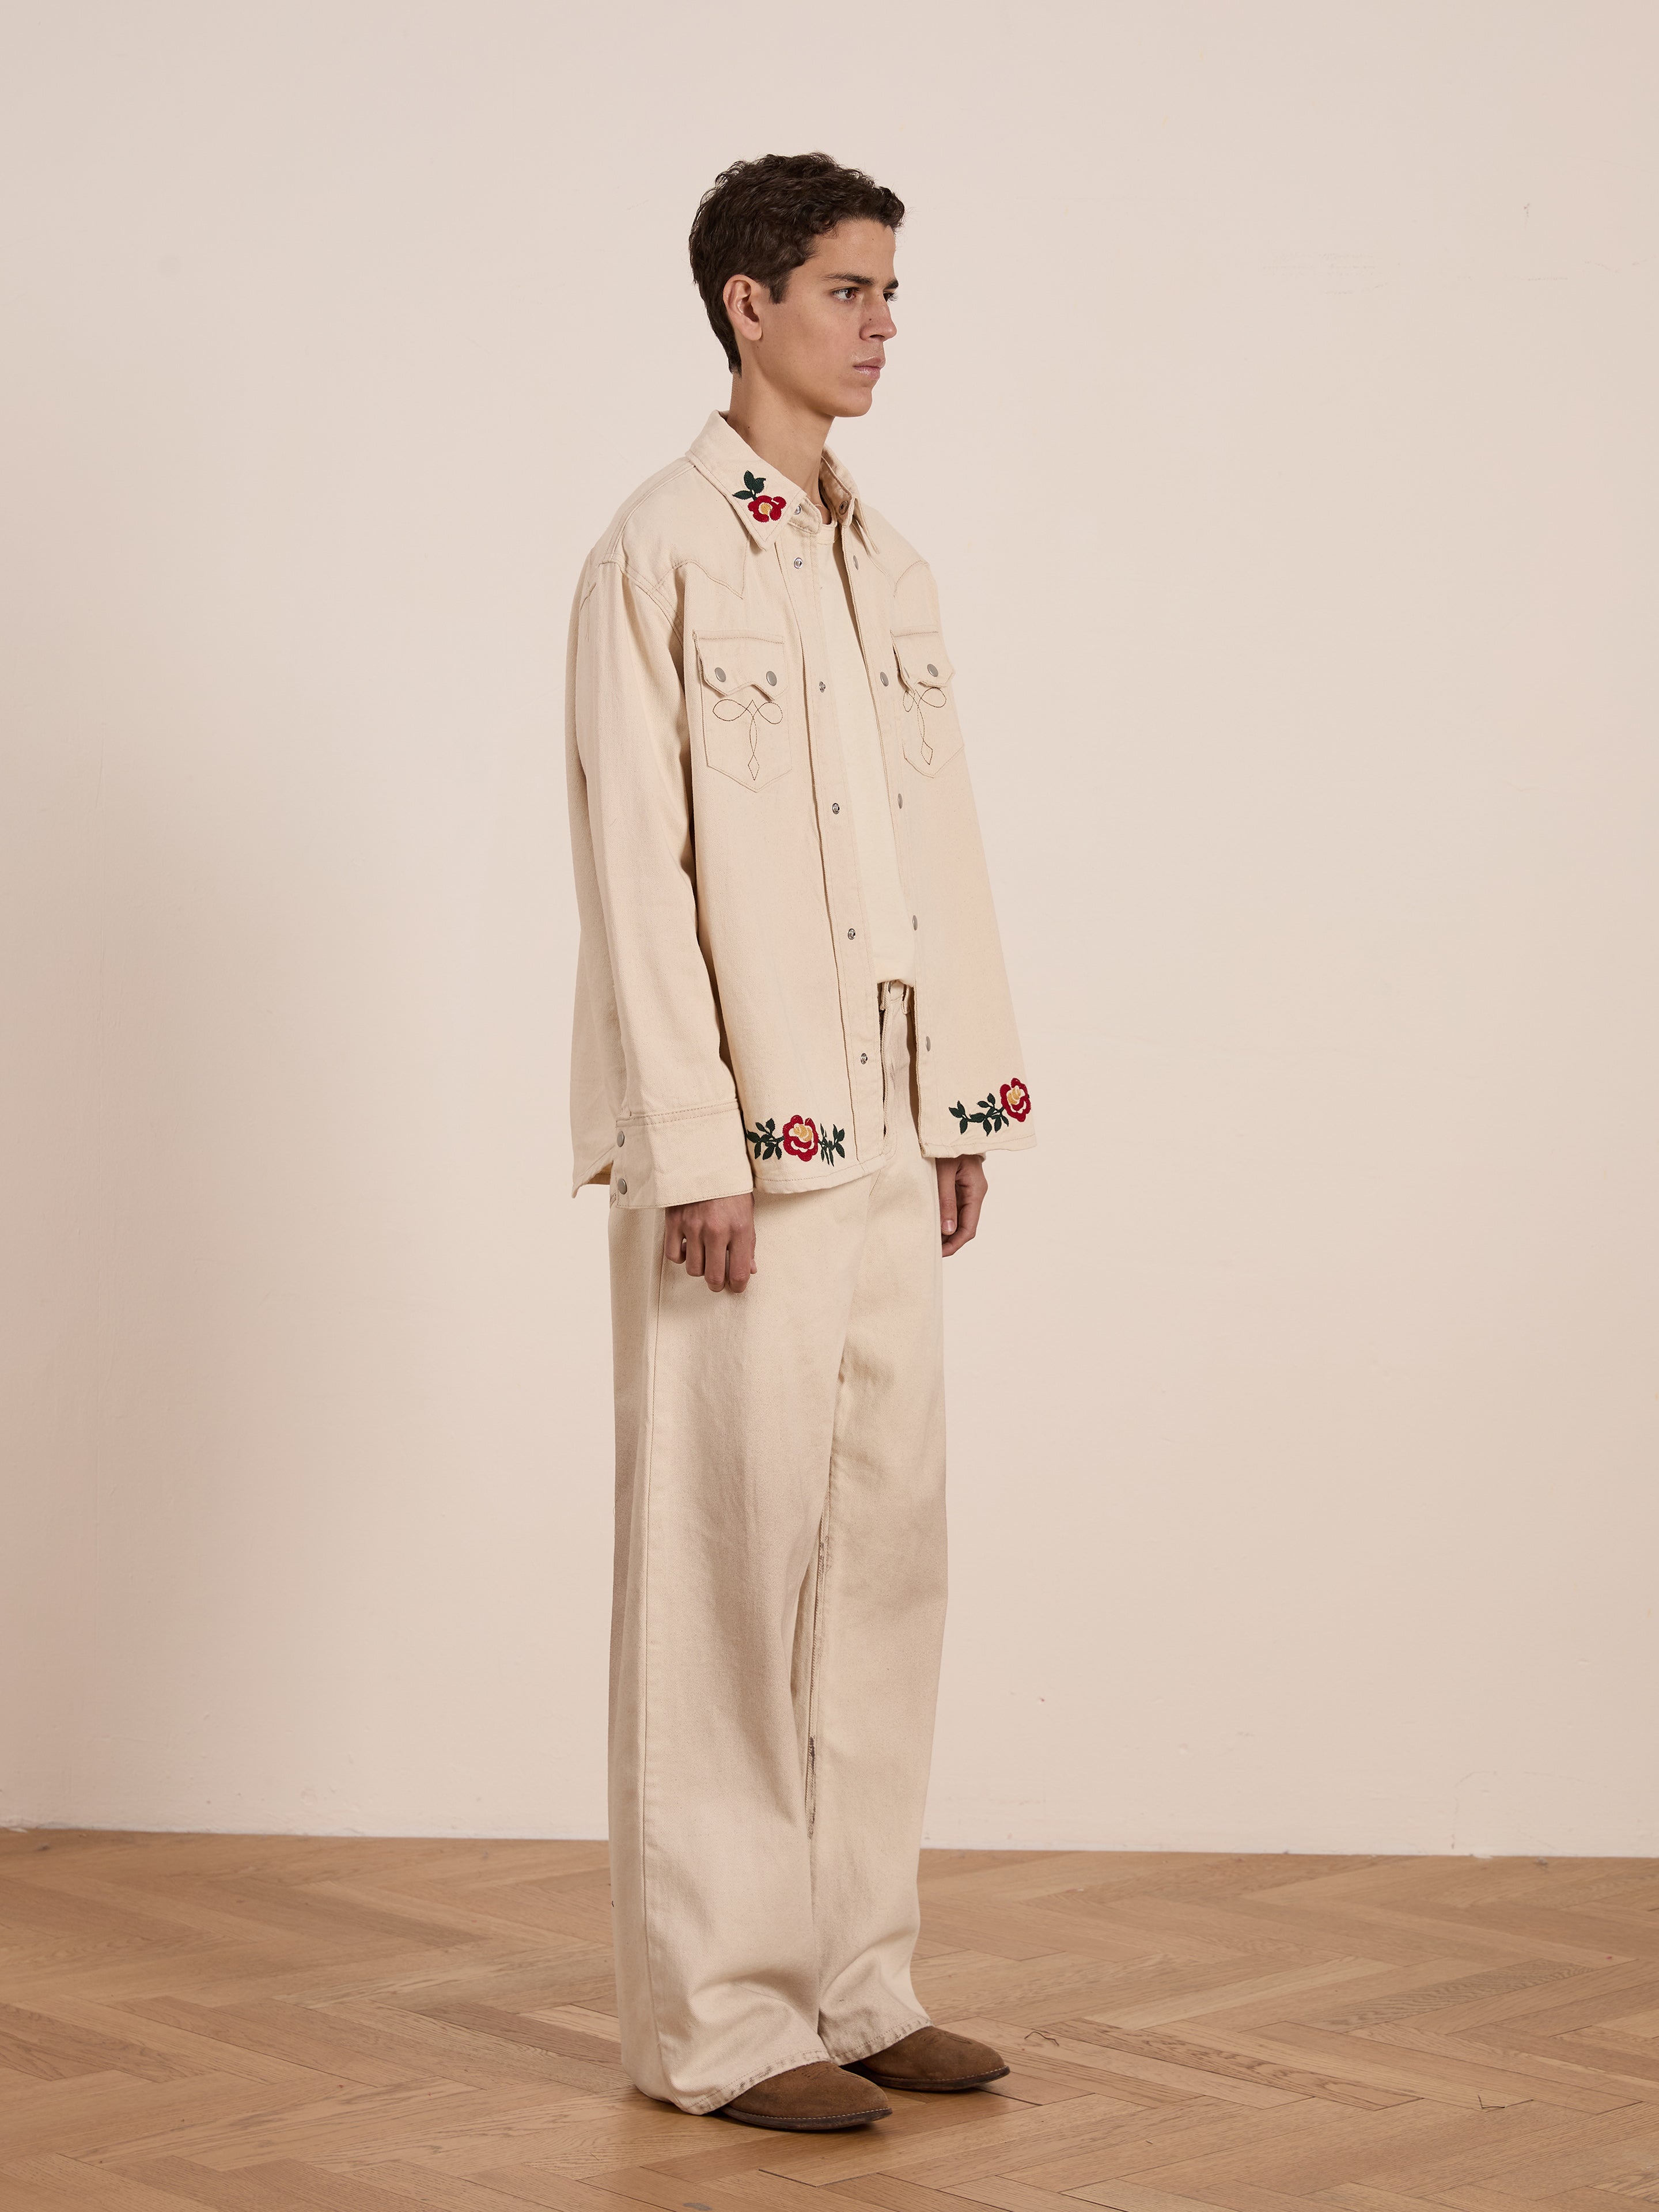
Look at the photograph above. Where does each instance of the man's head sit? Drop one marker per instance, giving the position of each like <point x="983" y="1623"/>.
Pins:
<point x="793" y="257"/>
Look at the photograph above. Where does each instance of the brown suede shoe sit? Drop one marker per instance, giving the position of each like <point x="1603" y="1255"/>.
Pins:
<point x="931" y="2058"/>
<point x="807" y="2100"/>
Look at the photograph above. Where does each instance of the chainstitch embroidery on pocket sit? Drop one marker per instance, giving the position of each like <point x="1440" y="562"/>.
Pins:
<point x="918" y="698"/>
<point x="802" y="1138"/>
<point x="761" y="710"/>
<point x="1013" y="1103"/>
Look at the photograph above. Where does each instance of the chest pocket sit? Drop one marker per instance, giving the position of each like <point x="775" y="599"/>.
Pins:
<point x="743" y="682"/>
<point x="927" y="699"/>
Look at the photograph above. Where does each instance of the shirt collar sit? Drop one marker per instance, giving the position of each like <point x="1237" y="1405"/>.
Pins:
<point x="763" y="498"/>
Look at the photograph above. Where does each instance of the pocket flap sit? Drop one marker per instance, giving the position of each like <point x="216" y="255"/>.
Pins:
<point x="922" y="658"/>
<point x="735" y="663"/>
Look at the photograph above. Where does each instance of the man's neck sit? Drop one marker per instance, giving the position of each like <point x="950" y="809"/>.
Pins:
<point x="782" y="431"/>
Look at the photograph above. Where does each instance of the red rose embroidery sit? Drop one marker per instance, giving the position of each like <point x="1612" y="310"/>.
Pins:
<point x="767" y="509"/>
<point x="1016" y="1100"/>
<point x="800" y="1137"/>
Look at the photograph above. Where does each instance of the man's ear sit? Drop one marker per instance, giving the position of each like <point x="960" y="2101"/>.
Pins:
<point x="739" y="295"/>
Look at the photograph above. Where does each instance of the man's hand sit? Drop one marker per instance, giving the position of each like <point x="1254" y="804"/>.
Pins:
<point x="715" y="1238"/>
<point x="962" y="1188"/>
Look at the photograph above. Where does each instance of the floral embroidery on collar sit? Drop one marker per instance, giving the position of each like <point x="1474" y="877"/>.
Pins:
<point x="802" y="1138"/>
<point x="764" y="506"/>
<point x="1013" y="1103"/>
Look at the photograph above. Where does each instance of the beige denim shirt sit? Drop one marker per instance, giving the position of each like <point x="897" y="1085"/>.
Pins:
<point x="727" y="1030"/>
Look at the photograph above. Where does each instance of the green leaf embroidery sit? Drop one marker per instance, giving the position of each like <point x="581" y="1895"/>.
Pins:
<point x="753" y="486"/>
<point x="991" y="1114"/>
<point x="765" y="1140"/>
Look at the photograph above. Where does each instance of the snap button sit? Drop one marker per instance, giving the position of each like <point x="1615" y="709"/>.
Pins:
<point x="932" y="671"/>
<point x="821" y="687"/>
<point x="835" y="806"/>
<point x="798" y="560"/>
<point x="622" y="1136"/>
<point x="622" y="1185"/>
<point x="928" y="1042"/>
<point x="901" y="798"/>
<point x="771" y="677"/>
<point x="852" y="933"/>
<point x="884" y="675"/>
<point x="915" y="924"/>
<point x="720" y="676"/>
<point x="855" y="560"/>
<point x="864" y="1055"/>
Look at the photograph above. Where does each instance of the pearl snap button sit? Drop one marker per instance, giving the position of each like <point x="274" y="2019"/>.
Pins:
<point x="901" y="798"/>
<point x="821" y="687"/>
<point x="932" y="671"/>
<point x="720" y="676"/>
<point x="770" y="676"/>
<point x="622" y="1136"/>
<point x="852" y="933"/>
<point x="884" y="675"/>
<point x="864" y="1055"/>
<point x="835" y="806"/>
<point x="798" y="560"/>
<point x="622" y="1185"/>
<point x="915" y="924"/>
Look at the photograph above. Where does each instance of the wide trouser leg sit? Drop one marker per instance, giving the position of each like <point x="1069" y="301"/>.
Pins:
<point x="880" y="1601"/>
<point x="777" y="1610"/>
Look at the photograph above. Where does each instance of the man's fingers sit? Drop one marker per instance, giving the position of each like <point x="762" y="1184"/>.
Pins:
<point x="740" y="1259"/>
<point x="968" y="1209"/>
<point x="968" y="1187"/>
<point x="947" y="1198"/>
<point x="715" y="1238"/>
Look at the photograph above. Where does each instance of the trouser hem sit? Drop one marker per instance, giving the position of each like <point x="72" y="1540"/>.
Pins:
<point x="716" y="2098"/>
<point x="907" y="2025"/>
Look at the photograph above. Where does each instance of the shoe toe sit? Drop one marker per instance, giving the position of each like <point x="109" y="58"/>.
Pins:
<point x="807" y="2100"/>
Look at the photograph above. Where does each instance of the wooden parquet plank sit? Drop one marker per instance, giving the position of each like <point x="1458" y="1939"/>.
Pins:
<point x="1230" y="1995"/>
<point x="44" y="2047"/>
<point x="1592" y="2087"/>
<point x="1122" y="2063"/>
<point x="54" y="2182"/>
<point x="1445" y="2074"/>
<point x="1204" y="2068"/>
<point x="498" y="2190"/>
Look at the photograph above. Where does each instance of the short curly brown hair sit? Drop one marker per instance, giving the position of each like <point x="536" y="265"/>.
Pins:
<point x="760" y="218"/>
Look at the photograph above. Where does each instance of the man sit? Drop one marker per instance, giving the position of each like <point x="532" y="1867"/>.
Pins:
<point x="791" y="1012"/>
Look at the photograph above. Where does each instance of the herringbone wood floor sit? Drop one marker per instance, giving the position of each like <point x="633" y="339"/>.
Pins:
<point x="262" y="2024"/>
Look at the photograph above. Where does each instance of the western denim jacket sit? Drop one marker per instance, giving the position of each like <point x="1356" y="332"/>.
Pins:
<point x="726" y="1030"/>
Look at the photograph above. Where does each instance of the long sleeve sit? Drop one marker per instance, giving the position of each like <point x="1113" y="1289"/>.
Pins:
<point x="679" y="1130"/>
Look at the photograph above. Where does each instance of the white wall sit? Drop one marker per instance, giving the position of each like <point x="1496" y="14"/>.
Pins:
<point x="1274" y="397"/>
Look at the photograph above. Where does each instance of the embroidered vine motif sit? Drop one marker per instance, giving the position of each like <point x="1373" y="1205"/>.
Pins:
<point x="802" y="1138"/>
<point x="765" y="508"/>
<point x="1013" y="1103"/>
<point x="757" y="710"/>
<point x="921" y="698"/>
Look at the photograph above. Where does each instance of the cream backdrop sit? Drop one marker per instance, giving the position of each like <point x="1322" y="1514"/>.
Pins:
<point x="1304" y="1393"/>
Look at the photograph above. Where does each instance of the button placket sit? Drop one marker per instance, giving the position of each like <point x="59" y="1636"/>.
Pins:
<point x="840" y="859"/>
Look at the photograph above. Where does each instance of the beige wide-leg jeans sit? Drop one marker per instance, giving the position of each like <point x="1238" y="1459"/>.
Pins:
<point x="777" y="1613"/>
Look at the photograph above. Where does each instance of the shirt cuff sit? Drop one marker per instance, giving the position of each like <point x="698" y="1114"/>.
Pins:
<point x="678" y="1159"/>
